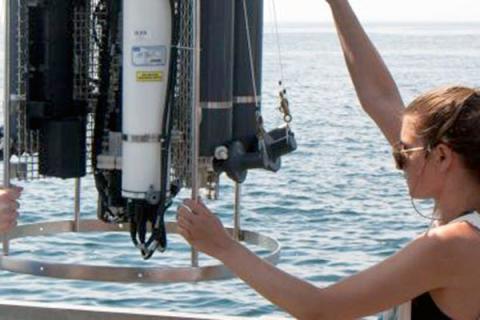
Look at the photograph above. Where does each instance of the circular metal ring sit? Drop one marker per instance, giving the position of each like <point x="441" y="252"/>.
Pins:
<point x="121" y="274"/>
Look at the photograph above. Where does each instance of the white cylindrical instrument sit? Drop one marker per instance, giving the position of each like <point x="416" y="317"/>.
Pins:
<point x="147" y="29"/>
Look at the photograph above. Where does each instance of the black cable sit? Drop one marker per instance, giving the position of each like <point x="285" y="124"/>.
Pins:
<point x="109" y="34"/>
<point x="158" y="225"/>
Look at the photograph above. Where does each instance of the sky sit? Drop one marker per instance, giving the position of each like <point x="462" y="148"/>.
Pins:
<point x="373" y="10"/>
<point x="378" y="10"/>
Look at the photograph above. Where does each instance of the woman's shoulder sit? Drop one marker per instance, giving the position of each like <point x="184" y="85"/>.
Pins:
<point x="456" y="247"/>
<point x="450" y="241"/>
<point x="457" y="232"/>
<point x="435" y="250"/>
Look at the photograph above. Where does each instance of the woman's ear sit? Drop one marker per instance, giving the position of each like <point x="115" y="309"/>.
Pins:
<point x="443" y="156"/>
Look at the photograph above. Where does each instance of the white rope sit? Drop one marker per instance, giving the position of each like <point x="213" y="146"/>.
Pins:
<point x="252" y="66"/>
<point x="250" y="54"/>
<point x="277" y="35"/>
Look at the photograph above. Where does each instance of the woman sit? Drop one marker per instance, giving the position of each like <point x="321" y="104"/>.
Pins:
<point x="436" y="142"/>
<point x="8" y="208"/>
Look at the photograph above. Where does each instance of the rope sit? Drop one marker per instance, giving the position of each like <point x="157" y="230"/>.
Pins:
<point x="250" y="54"/>
<point x="284" y="107"/>
<point x="277" y="35"/>
<point x="259" y="119"/>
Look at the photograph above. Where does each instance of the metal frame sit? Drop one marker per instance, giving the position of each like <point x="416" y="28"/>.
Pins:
<point x="120" y="274"/>
<point x="192" y="273"/>
<point x="196" y="110"/>
<point x="236" y="212"/>
<point x="6" y="112"/>
<point x="15" y="310"/>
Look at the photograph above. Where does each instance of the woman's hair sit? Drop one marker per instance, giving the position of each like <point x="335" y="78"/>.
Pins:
<point x="450" y="115"/>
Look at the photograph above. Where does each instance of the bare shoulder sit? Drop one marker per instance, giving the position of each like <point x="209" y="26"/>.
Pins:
<point x="455" y="234"/>
<point x="456" y="248"/>
<point x="428" y="263"/>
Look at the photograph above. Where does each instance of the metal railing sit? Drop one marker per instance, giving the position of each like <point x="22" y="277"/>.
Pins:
<point x="20" y="310"/>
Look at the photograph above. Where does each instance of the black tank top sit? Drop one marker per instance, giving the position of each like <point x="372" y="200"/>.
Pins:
<point x="424" y="308"/>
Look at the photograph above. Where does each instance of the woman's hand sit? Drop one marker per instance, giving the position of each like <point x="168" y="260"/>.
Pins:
<point x="202" y="229"/>
<point x="8" y="208"/>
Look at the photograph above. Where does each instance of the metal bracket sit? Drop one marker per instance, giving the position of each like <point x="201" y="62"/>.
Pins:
<point x="152" y="196"/>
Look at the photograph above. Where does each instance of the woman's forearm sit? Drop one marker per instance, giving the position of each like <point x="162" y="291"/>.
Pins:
<point x="205" y="232"/>
<point x="296" y="296"/>
<point x="375" y="87"/>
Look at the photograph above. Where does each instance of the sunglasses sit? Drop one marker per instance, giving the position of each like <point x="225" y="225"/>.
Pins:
<point x="400" y="153"/>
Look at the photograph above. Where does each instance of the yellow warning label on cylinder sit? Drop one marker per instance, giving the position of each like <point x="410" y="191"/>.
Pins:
<point x="149" y="76"/>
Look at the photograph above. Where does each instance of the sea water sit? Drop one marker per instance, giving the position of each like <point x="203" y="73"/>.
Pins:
<point x="337" y="206"/>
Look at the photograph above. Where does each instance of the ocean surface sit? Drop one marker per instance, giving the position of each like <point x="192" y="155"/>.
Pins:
<point x="337" y="206"/>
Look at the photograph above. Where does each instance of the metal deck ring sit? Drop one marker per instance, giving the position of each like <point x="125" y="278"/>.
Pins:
<point x="121" y="274"/>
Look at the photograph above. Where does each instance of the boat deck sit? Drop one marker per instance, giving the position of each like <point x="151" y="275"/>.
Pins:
<point x="24" y="310"/>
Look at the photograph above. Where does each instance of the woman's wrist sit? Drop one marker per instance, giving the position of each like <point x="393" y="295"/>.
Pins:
<point x="228" y="250"/>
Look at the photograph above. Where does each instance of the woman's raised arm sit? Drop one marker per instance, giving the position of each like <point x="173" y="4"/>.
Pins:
<point x="375" y="87"/>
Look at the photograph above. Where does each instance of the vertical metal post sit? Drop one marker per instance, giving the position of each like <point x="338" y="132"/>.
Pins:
<point x="76" y="218"/>
<point x="6" y="113"/>
<point x="236" y="214"/>
<point x="196" y="116"/>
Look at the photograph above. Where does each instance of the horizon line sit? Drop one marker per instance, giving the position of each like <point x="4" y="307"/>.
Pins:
<point x="326" y="22"/>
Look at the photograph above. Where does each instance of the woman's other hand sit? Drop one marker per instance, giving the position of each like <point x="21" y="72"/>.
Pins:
<point x="202" y="229"/>
<point x="8" y="208"/>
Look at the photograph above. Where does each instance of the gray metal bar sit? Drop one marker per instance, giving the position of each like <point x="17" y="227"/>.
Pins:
<point x="15" y="310"/>
<point x="6" y="114"/>
<point x="236" y="214"/>
<point x="76" y="212"/>
<point x="196" y="116"/>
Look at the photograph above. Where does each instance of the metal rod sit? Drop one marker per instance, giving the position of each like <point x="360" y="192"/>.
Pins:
<point x="195" y="108"/>
<point x="236" y="214"/>
<point x="6" y="114"/>
<point x="76" y="218"/>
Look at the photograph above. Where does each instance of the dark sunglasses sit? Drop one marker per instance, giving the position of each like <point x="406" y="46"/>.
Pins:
<point x="400" y="152"/>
